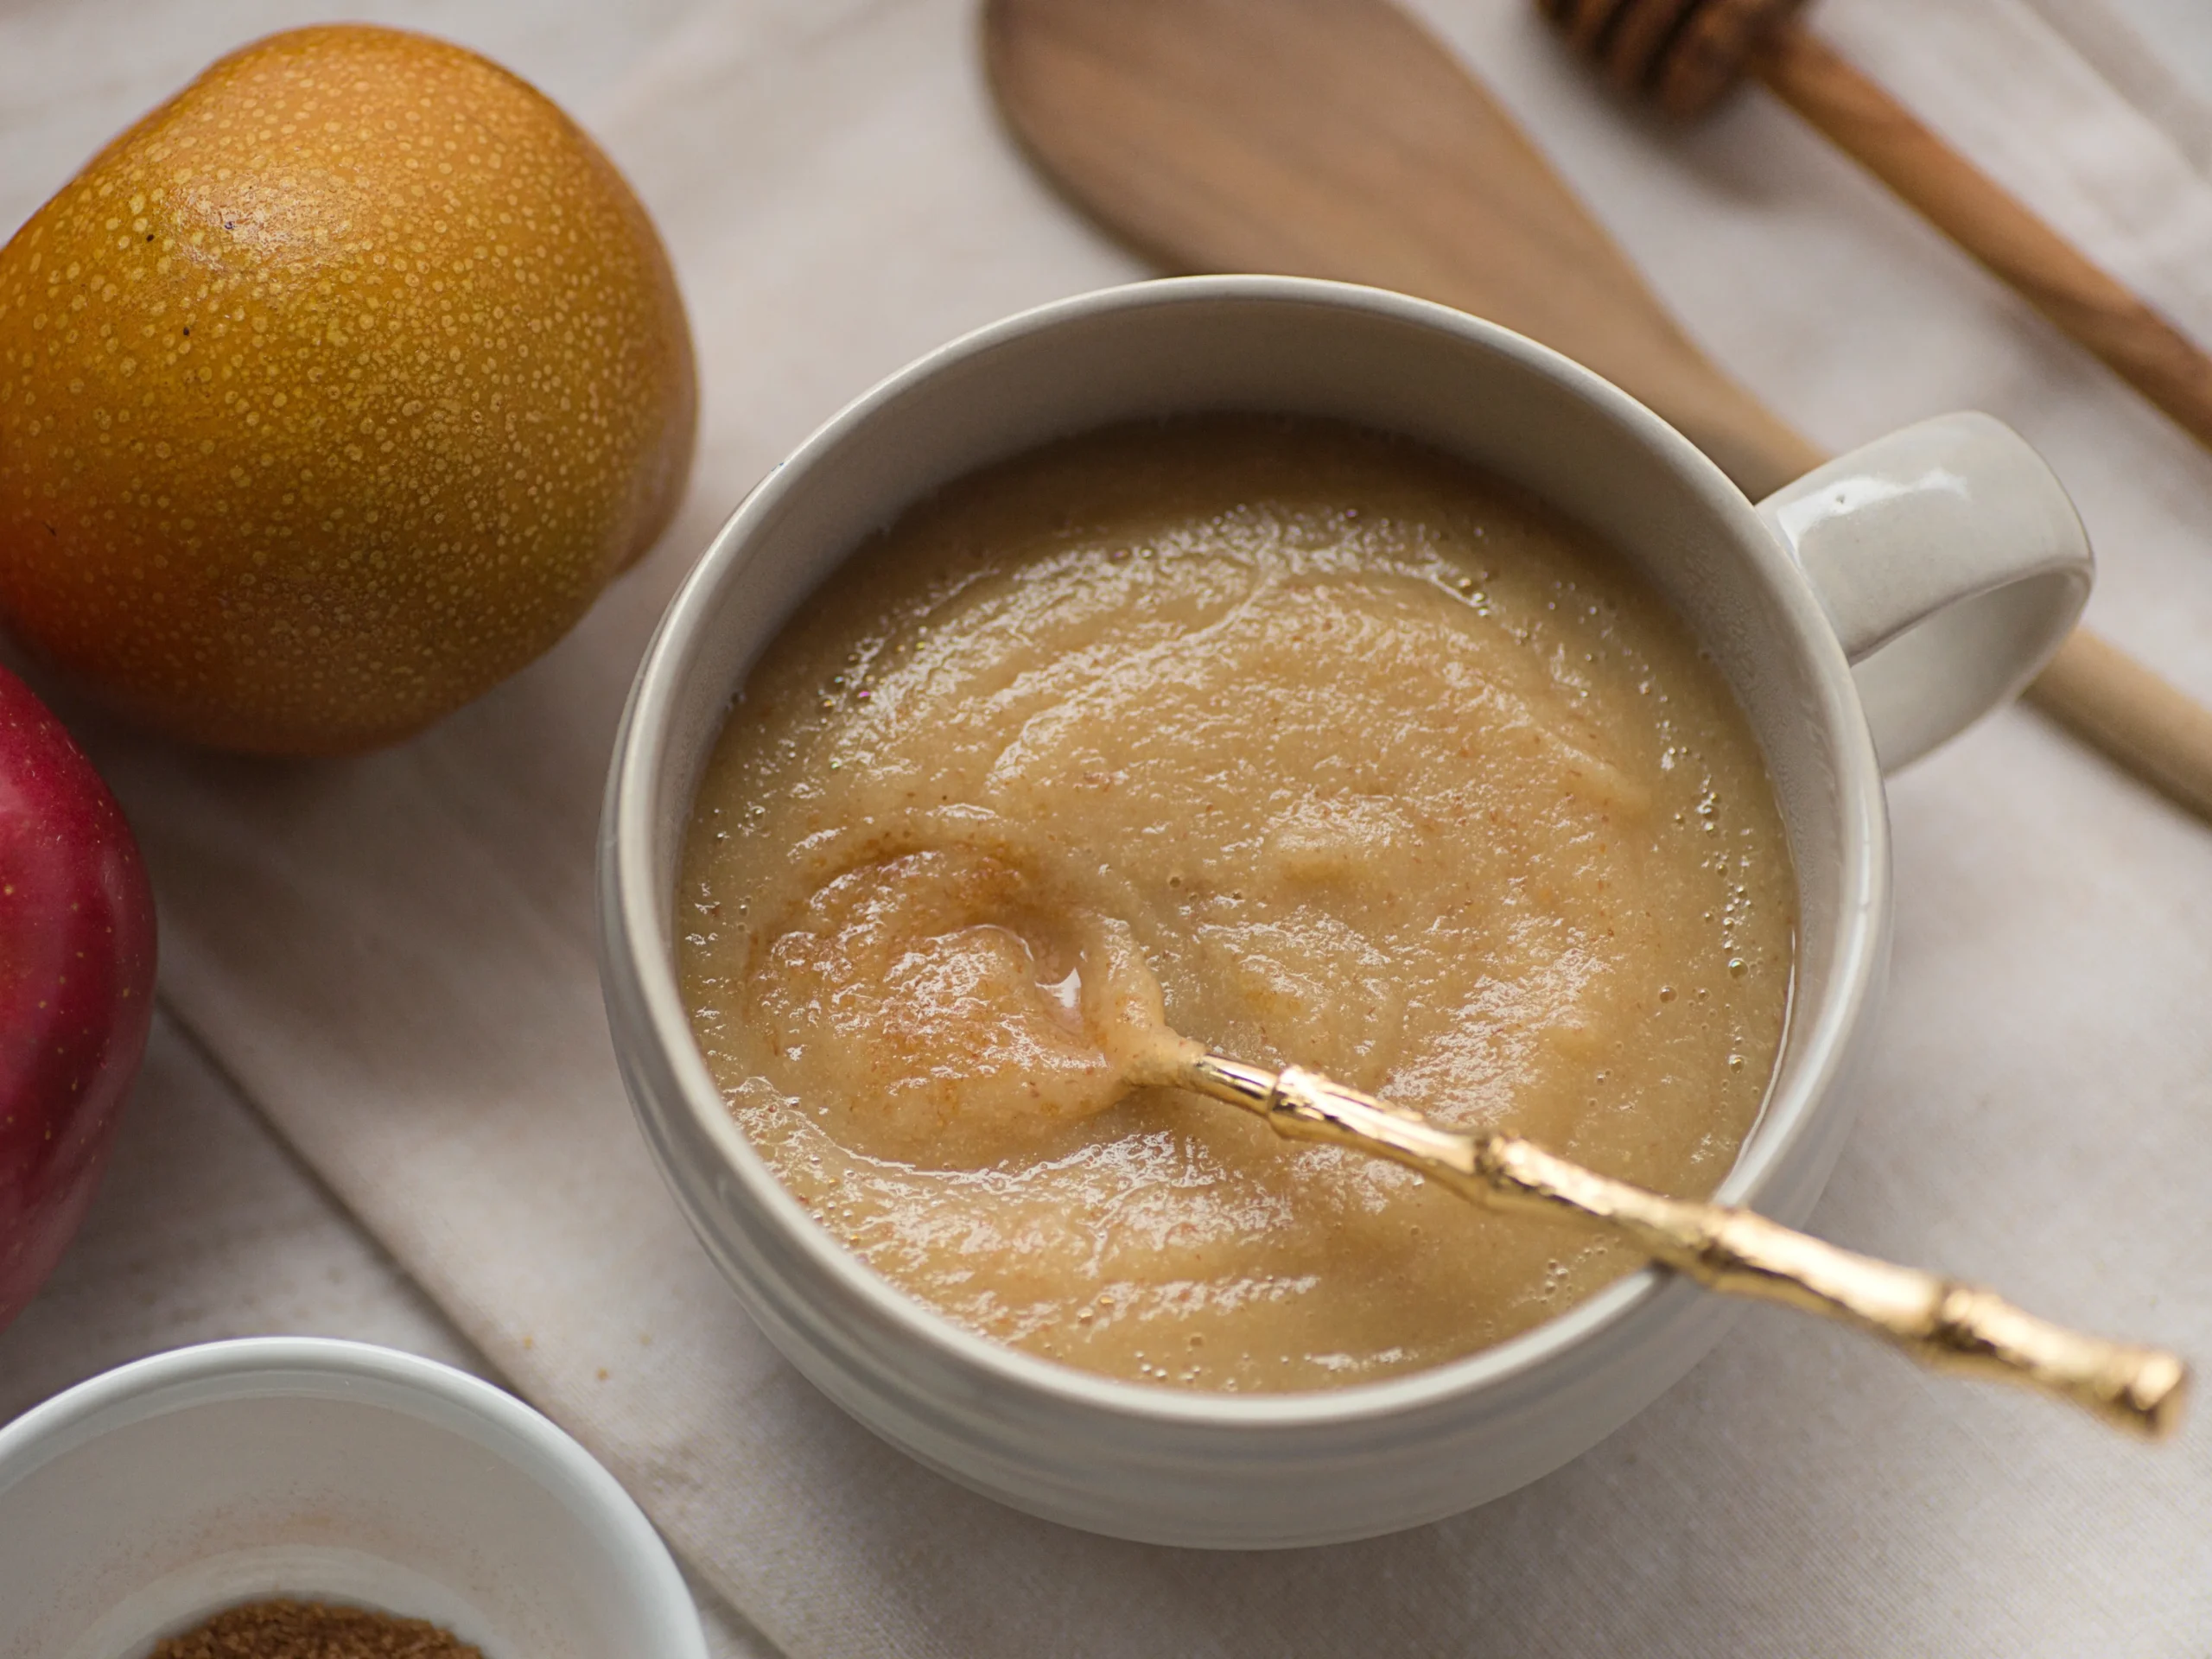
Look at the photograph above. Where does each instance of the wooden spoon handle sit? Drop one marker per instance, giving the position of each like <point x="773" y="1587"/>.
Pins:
<point x="1942" y="1323"/>
<point x="1864" y="121"/>
<point x="2152" y="727"/>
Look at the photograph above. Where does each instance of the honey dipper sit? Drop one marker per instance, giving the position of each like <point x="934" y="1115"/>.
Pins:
<point x="1338" y="138"/>
<point x="1686" y="54"/>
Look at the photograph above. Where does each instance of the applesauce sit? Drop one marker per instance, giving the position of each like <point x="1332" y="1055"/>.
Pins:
<point x="1317" y="746"/>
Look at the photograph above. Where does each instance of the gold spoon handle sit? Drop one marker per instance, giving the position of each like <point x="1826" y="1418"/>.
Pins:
<point x="1941" y="1322"/>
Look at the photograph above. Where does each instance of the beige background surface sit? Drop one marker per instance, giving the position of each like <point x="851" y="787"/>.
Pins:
<point x="383" y="1104"/>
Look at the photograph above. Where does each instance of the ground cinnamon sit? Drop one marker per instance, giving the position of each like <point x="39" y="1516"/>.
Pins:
<point x="311" y="1630"/>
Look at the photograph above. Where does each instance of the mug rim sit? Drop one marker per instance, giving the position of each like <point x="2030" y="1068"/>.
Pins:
<point x="637" y="954"/>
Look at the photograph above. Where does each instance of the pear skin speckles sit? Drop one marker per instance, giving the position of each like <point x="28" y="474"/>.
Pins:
<point x="331" y="394"/>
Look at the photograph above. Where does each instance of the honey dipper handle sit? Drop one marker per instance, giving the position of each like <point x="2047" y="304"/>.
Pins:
<point x="2138" y="345"/>
<point x="1940" y="1322"/>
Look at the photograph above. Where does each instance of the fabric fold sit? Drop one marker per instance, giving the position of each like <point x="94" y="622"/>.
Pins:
<point x="394" y="955"/>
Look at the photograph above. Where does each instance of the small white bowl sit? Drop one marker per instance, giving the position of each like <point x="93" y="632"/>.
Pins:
<point x="134" y="1505"/>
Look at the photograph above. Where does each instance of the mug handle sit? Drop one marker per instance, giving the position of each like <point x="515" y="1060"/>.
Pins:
<point x="1951" y="565"/>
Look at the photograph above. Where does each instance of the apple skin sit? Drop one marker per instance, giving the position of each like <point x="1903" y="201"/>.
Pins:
<point x="76" y="985"/>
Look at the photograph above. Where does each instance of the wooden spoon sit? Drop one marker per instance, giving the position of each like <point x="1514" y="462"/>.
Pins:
<point x="1338" y="138"/>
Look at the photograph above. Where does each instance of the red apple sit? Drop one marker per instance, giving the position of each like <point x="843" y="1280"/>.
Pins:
<point x="76" y="985"/>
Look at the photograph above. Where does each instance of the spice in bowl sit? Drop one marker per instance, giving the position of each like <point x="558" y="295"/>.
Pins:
<point x="313" y="1629"/>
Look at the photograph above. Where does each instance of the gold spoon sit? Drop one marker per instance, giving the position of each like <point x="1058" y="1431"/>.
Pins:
<point x="1943" y="1323"/>
<point x="976" y="894"/>
<point x="975" y="890"/>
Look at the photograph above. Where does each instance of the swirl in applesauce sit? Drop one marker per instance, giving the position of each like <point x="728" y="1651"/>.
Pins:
<point x="1306" y="743"/>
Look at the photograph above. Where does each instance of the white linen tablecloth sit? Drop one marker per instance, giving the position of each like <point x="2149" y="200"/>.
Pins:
<point x="390" y="958"/>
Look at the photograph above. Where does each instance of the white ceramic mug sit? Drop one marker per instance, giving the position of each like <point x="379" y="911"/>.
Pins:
<point x="1872" y="608"/>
